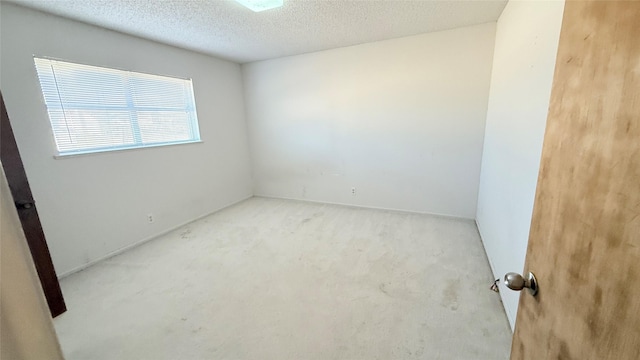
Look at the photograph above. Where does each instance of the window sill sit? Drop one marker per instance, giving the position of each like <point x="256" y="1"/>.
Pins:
<point x="103" y="152"/>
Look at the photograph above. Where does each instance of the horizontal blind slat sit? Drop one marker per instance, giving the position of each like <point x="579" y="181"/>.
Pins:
<point x="99" y="109"/>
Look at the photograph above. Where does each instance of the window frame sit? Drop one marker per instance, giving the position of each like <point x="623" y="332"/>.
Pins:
<point x="132" y="110"/>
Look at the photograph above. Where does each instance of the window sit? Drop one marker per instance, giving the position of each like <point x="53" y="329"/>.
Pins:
<point x="94" y="109"/>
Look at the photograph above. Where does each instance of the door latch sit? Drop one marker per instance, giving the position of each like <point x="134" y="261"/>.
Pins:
<point x="22" y="204"/>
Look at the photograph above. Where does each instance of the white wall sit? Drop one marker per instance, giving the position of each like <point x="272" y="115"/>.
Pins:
<point x="91" y="206"/>
<point x="523" y="64"/>
<point x="401" y="120"/>
<point x="26" y="330"/>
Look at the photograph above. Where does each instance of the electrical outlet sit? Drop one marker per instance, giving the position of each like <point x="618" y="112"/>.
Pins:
<point x="353" y="191"/>
<point x="150" y="218"/>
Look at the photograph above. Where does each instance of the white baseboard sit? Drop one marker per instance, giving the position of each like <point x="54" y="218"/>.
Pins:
<point x="138" y="243"/>
<point x="366" y="207"/>
<point x="493" y="271"/>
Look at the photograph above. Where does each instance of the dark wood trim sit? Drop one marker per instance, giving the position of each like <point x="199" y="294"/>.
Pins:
<point x="23" y="198"/>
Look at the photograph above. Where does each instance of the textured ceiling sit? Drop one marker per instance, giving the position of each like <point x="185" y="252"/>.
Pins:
<point x="228" y="30"/>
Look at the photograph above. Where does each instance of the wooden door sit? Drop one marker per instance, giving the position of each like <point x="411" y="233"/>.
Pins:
<point x="21" y="193"/>
<point x="584" y="244"/>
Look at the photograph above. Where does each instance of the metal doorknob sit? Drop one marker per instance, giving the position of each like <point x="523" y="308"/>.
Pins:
<point x="515" y="281"/>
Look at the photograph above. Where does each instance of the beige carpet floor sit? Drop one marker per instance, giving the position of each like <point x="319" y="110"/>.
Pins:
<point x="278" y="279"/>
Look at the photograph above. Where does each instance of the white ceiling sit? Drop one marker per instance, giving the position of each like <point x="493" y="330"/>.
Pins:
<point x="226" y="29"/>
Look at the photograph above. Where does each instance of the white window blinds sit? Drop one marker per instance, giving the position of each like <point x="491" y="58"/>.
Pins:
<point x="95" y="109"/>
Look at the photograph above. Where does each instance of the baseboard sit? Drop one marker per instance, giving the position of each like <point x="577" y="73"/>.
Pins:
<point x="138" y="243"/>
<point x="367" y="207"/>
<point x="493" y="271"/>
